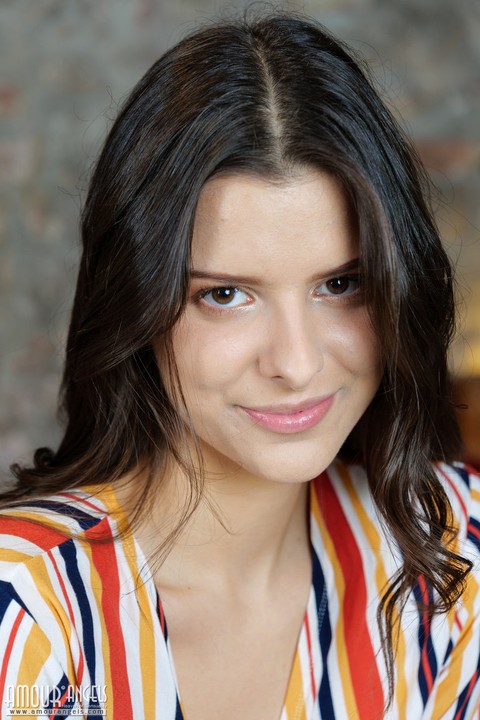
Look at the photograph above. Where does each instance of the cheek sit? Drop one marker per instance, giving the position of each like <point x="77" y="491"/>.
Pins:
<point x="209" y="357"/>
<point x="356" y="344"/>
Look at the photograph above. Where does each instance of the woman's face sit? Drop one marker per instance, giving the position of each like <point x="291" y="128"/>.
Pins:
<point x="276" y="355"/>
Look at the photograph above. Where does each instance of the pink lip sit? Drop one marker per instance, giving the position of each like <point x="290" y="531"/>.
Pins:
<point x="290" y="418"/>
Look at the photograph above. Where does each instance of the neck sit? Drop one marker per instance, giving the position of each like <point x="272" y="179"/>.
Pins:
<point x="245" y="532"/>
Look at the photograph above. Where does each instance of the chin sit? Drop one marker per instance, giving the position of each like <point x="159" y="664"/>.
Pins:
<point x="274" y="460"/>
<point x="291" y="470"/>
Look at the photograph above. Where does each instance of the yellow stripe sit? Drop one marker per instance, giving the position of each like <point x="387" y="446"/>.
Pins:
<point x="449" y="688"/>
<point x="36" y="651"/>
<point x="40" y="577"/>
<point x="14" y="556"/>
<point x="295" y="701"/>
<point x="146" y="636"/>
<point x="475" y="495"/>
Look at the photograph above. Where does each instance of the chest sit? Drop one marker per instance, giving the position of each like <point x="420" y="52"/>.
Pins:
<point x="233" y="661"/>
<point x="244" y="674"/>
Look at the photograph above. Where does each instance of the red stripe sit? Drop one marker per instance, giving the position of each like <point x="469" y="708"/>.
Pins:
<point x="426" y="629"/>
<point x="162" y="616"/>
<point x="363" y="668"/>
<point x="8" y="650"/>
<point x="310" y="657"/>
<point x="105" y="561"/>
<point x="472" y="529"/>
<point x="62" y="585"/>
<point x="459" y="497"/>
<point x="41" y="535"/>
<point x="471" y="470"/>
<point x="83" y="501"/>
<point x="59" y="704"/>
<point x="81" y="663"/>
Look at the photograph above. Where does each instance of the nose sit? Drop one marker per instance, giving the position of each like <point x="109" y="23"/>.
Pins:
<point x="291" y="351"/>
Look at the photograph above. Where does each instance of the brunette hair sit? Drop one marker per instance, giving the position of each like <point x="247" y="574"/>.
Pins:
<point x="264" y="96"/>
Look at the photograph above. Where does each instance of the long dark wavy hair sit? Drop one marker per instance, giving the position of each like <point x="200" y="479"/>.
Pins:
<point x="265" y="96"/>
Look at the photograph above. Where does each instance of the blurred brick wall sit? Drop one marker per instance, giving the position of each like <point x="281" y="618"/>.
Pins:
<point x="64" y="67"/>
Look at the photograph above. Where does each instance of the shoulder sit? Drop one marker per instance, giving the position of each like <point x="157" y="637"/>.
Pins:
<point x="35" y="527"/>
<point x="49" y="568"/>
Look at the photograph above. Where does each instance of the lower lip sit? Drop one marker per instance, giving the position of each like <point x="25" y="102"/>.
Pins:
<point x="291" y="422"/>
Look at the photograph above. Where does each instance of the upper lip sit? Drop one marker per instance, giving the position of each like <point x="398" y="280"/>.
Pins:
<point x="289" y="408"/>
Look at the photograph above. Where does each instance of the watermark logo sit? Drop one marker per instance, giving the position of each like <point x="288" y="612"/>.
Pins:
<point x="45" y="701"/>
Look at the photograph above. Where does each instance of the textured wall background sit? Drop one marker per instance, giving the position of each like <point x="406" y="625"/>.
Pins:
<point x="64" y="67"/>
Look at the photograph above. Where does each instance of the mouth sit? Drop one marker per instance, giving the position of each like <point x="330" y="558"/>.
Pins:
<point x="290" y="418"/>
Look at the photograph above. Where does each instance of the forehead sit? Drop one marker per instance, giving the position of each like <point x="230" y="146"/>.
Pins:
<point x="248" y="220"/>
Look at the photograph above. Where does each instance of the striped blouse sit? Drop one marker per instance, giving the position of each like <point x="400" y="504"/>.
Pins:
<point x="83" y="632"/>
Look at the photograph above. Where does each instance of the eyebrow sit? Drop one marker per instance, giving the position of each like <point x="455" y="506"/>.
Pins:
<point x="227" y="278"/>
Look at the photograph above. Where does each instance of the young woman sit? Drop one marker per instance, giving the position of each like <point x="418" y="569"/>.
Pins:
<point x="256" y="510"/>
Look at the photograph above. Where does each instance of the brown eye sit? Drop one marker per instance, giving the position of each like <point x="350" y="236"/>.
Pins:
<point x="223" y="295"/>
<point x="339" y="285"/>
<point x="342" y="285"/>
<point x="226" y="296"/>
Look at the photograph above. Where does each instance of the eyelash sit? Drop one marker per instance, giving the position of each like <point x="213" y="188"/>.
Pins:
<point x="354" y="278"/>
<point x="340" y="297"/>
<point x="202" y="294"/>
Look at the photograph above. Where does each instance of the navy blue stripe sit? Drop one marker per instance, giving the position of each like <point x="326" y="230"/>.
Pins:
<point x="475" y="523"/>
<point x="178" y="711"/>
<point x="462" y="710"/>
<point x="57" y="693"/>
<point x="448" y="652"/>
<point x="68" y="551"/>
<point x="464" y="474"/>
<point x="471" y="536"/>
<point x="163" y="623"/>
<point x="425" y="644"/>
<point x="84" y="519"/>
<point x="325" y="702"/>
<point x="7" y="595"/>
